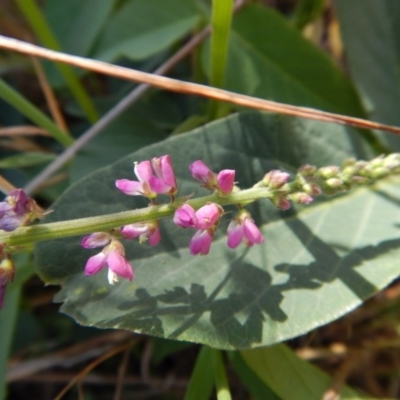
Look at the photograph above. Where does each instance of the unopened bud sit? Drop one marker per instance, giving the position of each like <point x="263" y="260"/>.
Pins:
<point x="334" y="183"/>
<point x="301" y="198"/>
<point x="275" y="179"/>
<point x="7" y="272"/>
<point x="312" y="189"/>
<point x="307" y="170"/>
<point x="281" y="202"/>
<point x="329" y="172"/>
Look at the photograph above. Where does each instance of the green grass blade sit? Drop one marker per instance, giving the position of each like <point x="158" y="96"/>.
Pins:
<point x="221" y="381"/>
<point x="34" y="16"/>
<point x="201" y="381"/>
<point x="221" y="20"/>
<point x="11" y="96"/>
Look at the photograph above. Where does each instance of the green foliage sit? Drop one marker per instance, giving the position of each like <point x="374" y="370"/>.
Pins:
<point x="290" y="377"/>
<point x="371" y="37"/>
<point x="131" y="33"/>
<point x="248" y="297"/>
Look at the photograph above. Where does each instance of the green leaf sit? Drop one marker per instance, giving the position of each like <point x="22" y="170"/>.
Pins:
<point x="371" y="37"/>
<point x="201" y="380"/>
<point x="307" y="11"/>
<point x="132" y="33"/>
<point x="128" y="133"/>
<point x="26" y="160"/>
<point x="257" y="387"/>
<point x="77" y="23"/>
<point x="316" y="264"/>
<point x="270" y="59"/>
<point x="276" y="366"/>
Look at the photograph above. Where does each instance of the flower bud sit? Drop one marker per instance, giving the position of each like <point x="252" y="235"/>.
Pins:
<point x="307" y="170"/>
<point x="301" y="198"/>
<point x="329" y="172"/>
<point x="275" y="179"/>
<point x="7" y="273"/>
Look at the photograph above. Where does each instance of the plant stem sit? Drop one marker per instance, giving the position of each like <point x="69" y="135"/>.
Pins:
<point x="82" y="226"/>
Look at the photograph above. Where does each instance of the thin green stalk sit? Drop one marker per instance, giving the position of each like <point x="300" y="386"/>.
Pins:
<point x="34" y="16"/>
<point x="221" y="24"/>
<point x="201" y="381"/>
<point x="220" y="378"/>
<point x="82" y="226"/>
<point x="11" y="96"/>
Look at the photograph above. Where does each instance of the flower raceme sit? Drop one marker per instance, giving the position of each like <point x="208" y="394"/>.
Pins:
<point x="154" y="177"/>
<point x="223" y="183"/>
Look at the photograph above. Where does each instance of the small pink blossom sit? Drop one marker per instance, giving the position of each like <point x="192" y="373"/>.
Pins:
<point x="223" y="183"/>
<point x="201" y="242"/>
<point x="154" y="177"/>
<point x="243" y="228"/>
<point x="113" y="256"/>
<point x="7" y="273"/>
<point x="144" y="230"/>
<point x="205" y="219"/>
<point x="185" y="216"/>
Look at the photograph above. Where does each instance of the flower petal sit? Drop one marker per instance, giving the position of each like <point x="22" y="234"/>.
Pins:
<point x="200" y="171"/>
<point x="167" y="172"/>
<point x="143" y="171"/>
<point x="157" y="185"/>
<point x="185" y="217"/>
<point x="154" y="237"/>
<point x="226" y="180"/>
<point x="200" y="243"/>
<point x="208" y="216"/>
<point x="134" y="230"/>
<point x="131" y="188"/>
<point x="252" y="233"/>
<point x="235" y="234"/>
<point x="119" y="265"/>
<point x="96" y="239"/>
<point x="95" y="264"/>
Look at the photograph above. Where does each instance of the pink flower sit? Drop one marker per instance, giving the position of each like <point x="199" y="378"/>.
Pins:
<point x="18" y="209"/>
<point x="185" y="216"/>
<point x="154" y="177"/>
<point x="243" y="228"/>
<point x="7" y="272"/>
<point x="201" y="242"/>
<point x="96" y="239"/>
<point x="205" y="219"/>
<point x="113" y="256"/>
<point x="223" y="183"/>
<point x="144" y="230"/>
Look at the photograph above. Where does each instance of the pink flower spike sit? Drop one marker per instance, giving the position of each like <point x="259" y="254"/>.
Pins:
<point x="200" y="243"/>
<point x="208" y="216"/>
<point x="96" y="239"/>
<point x="226" y="181"/>
<point x="185" y="217"/>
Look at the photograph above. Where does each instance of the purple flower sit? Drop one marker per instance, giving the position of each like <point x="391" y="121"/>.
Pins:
<point x="205" y="219"/>
<point x="223" y="183"/>
<point x="113" y="256"/>
<point x="144" y="230"/>
<point x="154" y="177"/>
<point x="243" y="228"/>
<point x="7" y="272"/>
<point x="17" y="210"/>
